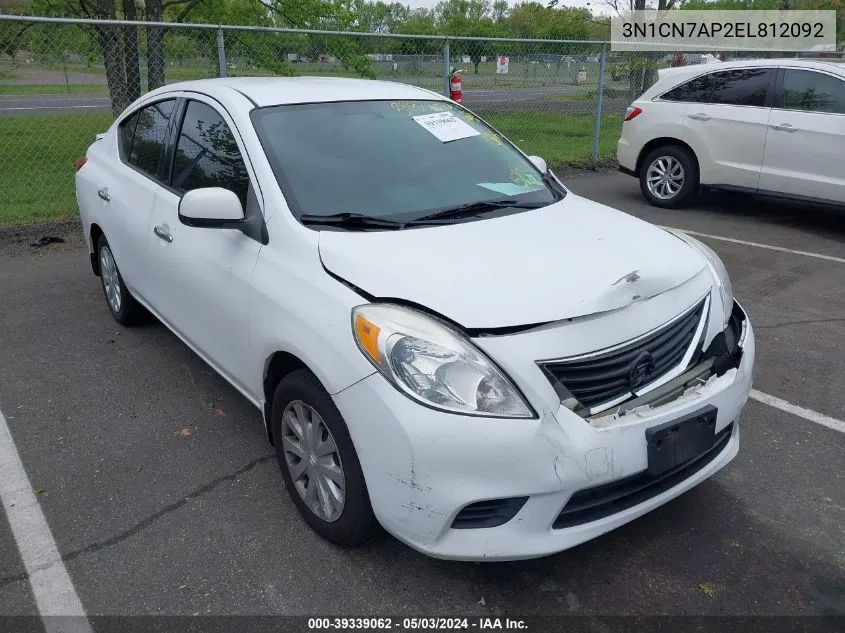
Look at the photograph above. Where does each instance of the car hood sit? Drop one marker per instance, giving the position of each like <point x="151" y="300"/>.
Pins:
<point x="570" y="259"/>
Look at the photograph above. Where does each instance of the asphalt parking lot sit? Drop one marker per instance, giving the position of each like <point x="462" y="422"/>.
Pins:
<point x="163" y="496"/>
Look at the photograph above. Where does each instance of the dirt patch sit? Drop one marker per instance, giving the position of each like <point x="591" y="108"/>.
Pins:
<point x="32" y="239"/>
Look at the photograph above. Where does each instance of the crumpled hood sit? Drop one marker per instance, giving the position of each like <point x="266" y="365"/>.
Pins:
<point x="571" y="259"/>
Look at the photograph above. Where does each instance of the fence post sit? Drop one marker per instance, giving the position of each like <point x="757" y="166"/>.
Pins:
<point x="221" y="55"/>
<point x="599" y="100"/>
<point x="446" y="67"/>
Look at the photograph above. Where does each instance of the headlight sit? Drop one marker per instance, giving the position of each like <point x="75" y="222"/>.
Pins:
<point x="433" y="364"/>
<point x="720" y="273"/>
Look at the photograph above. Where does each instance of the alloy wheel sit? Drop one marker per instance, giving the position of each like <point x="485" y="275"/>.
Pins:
<point x="665" y="177"/>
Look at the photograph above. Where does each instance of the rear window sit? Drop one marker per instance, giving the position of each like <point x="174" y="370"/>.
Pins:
<point x="395" y="160"/>
<point x="743" y="86"/>
<point x="746" y="86"/>
<point x="694" y="91"/>
<point x="145" y="147"/>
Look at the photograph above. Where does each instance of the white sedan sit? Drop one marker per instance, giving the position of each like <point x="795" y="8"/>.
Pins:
<point x="441" y="337"/>
<point x="773" y="127"/>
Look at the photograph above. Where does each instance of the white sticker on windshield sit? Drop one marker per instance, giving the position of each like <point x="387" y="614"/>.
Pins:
<point x="509" y="188"/>
<point x="446" y="126"/>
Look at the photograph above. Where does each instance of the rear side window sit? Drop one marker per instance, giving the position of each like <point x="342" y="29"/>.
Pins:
<point x="145" y="148"/>
<point x="207" y="154"/>
<point x="812" y="92"/>
<point x="127" y="133"/>
<point x="695" y="91"/>
<point x="745" y="86"/>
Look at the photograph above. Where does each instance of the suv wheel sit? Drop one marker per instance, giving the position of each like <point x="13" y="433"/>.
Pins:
<point x="669" y="176"/>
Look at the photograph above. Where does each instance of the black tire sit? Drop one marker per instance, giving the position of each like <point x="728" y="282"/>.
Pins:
<point x="356" y="522"/>
<point x="128" y="311"/>
<point x="690" y="176"/>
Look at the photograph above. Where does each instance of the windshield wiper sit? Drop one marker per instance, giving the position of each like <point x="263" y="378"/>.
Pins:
<point x="350" y="220"/>
<point x="478" y="208"/>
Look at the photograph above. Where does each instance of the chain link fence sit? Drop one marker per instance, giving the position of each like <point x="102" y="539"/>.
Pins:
<point x="62" y="81"/>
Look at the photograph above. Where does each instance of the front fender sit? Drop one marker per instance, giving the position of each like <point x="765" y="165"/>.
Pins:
<point x="300" y="309"/>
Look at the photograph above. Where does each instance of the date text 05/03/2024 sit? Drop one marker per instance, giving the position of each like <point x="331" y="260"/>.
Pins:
<point x="420" y="623"/>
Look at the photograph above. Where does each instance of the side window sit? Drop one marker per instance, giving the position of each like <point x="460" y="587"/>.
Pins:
<point x="148" y="143"/>
<point x="207" y="154"/>
<point x="745" y="86"/>
<point x="812" y="92"/>
<point x="127" y="133"/>
<point x="694" y="91"/>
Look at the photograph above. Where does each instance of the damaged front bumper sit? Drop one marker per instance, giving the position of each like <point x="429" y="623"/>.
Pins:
<point x="466" y="488"/>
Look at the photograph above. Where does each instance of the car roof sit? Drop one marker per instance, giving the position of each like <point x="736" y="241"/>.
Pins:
<point x="269" y="91"/>
<point x="791" y="62"/>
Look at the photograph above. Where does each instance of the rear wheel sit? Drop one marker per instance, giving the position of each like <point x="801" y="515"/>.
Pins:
<point x="122" y="305"/>
<point x="669" y="176"/>
<point x="318" y="461"/>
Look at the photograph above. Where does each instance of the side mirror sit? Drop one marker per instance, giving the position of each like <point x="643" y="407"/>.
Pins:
<point x="211" y="207"/>
<point x="539" y="163"/>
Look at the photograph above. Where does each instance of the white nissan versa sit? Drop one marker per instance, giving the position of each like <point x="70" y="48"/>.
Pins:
<point x="440" y="336"/>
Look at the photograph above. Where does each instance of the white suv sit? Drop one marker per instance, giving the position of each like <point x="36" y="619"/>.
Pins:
<point x="774" y="127"/>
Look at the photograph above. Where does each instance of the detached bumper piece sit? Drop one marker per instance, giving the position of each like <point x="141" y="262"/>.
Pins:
<point x="598" y="502"/>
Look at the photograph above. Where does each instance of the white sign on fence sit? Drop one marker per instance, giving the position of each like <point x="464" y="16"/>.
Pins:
<point x="502" y="65"/>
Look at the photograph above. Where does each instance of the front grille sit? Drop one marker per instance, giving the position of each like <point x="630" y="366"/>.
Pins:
<point x="592" y="504"/>
<point x="489" y="513"/>
<point x="603" y="378"/>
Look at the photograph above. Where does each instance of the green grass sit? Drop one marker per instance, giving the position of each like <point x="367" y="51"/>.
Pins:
<point x="36" y="168"/>
<point x="561" y="139"/>
<point x="36" y="165"/>
<point x="53" y="89"/>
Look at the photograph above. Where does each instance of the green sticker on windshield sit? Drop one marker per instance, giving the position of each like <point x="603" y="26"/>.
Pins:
<point x="492" y="137"/>
<point x="405" y="106"/>
<point x="524" y="178"/>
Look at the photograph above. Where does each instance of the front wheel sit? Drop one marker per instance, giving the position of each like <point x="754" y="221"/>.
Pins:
<point x="669" y="176"/>
<point x="318" y="461"/>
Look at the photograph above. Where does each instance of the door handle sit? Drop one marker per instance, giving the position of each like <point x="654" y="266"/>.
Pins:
<point x="700" y="116"/>
<point x="104" y="194"/>
<point x="784" y="127"/>
<point x="163" y="233"/>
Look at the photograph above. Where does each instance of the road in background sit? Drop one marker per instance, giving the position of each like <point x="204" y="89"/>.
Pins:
<point x="546" y="99"/>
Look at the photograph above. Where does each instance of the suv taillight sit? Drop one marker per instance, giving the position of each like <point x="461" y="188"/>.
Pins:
<point x="632" y="112"/>
<point x="80" y="162"/>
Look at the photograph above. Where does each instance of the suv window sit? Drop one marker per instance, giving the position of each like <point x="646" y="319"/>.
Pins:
<point x="744" y="86"/>
<point x="144" y="137"/>
<point x="207" y="154"/>
<point x="695" y="91"/>
<point x="812" y="92"/>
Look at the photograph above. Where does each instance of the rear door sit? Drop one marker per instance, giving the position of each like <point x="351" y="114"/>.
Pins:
<point x="727" y="125"/>
<point x="806" y="139"/>
<point x="126" y="188"/>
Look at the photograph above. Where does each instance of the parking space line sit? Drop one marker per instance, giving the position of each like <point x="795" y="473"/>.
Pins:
<point x="801" y="412"/>
<point x="51" y="585"/>
<point x="831" y="258"/>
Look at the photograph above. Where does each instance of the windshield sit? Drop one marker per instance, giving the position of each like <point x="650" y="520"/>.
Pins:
<point x="400" y="161"/>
